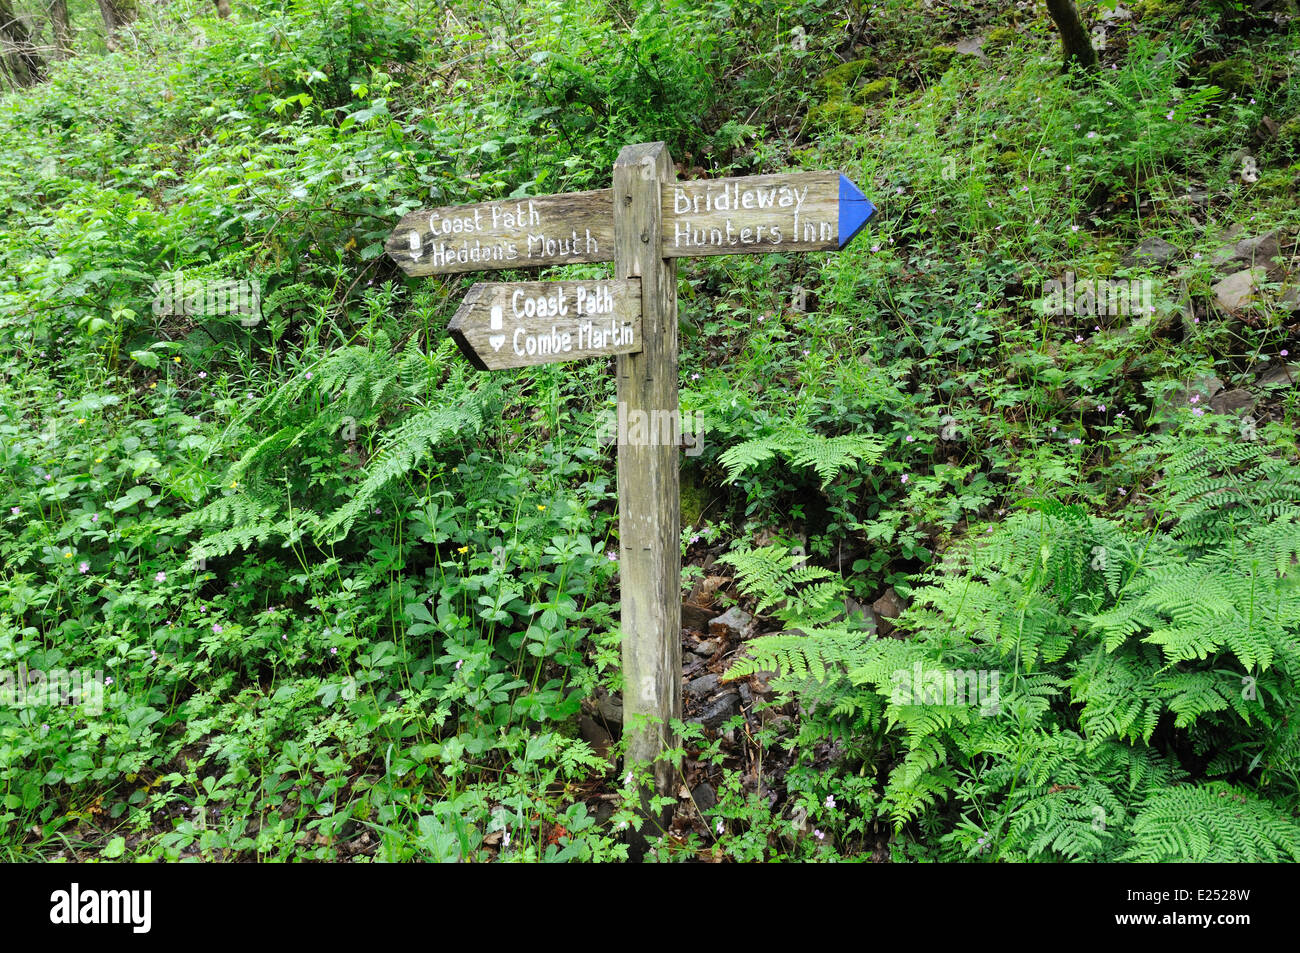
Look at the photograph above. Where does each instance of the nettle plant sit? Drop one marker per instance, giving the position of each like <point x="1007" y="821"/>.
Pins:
<point x="1071" y="688"/>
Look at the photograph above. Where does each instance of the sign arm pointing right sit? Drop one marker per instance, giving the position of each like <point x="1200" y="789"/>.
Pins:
<point x="855" y="209"/>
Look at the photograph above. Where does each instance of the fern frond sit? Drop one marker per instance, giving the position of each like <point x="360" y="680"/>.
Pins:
<point x="1212" y="823"/>
<point x="402" y="450"/>
<point x="826" y="455"/>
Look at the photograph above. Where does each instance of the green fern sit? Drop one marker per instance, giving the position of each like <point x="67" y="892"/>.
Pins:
<point x="403" y="448"/>
<point x="354" y="387"/>
<point x="806" y="599"/>
<point x="826" y="455"/>
<point x="778" y="578"/>
<point x="1212" y="823"/>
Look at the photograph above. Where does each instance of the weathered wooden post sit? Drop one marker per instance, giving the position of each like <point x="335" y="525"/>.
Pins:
<point x="649" y="498"/>
<point x="643" y="224"/>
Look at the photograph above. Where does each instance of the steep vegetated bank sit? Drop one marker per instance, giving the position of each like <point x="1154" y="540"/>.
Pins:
<point x="992" y="532"/>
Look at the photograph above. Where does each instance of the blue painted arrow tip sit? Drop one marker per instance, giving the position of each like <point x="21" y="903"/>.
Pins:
<point x="855" y="209"/>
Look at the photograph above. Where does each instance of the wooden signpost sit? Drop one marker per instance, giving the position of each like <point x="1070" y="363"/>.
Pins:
<point x="538" y="322"/>
<point x="525" y="233"/>
<point x="642" y="224"/>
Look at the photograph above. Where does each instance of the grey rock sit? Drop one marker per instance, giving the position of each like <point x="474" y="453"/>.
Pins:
<point x="1261" y="251"/>
<point x="1227" y="250"/>
<point x="1287" y="374"/>
<point x="718" y="710"/>
<point x="1258" y="251"/>
<point x="704" y="796"/>
<point x="887" y="608"/>
<point x="696" y="617"/>
<point x="746" y="695"/>
<point x="733" y="624"/>
<point x="1239" y="290"/>
<point x="971" y="46"/>
<point x="1203" y="387"/>
<point x="775" y="720"/>
<point x="595" y="735"/>
<point x="859" y="611"/>
<point x="761" y="684"/>
<point x="610" y="708"/>
<point x="1207" y="385"/>
<point x="692" y="665"/>
<point x="1232" y="401"/>
<point x="706" y="648"/>
<point x="703" y="686"/>
<point x="1153" y="251"/>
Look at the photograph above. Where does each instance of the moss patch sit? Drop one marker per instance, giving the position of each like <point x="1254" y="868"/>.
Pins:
<point x="1288" y="138"/>
<point x="1000" y="39"/>
<point x="876" y="90"/>
<point x="1010" y="159"/>
<point x="1279" y="182"/>
<point x="836" y="83"/>
<point x="936" y="60"/>
<point x="836" y="115"/>
<point x="1236" y="74"/>
<point x="1163" y="9"/>
<point x="695" y="499"/>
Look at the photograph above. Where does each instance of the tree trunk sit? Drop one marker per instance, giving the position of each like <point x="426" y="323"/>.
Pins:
<point x="117" y="14"/>
<point x="62" y="29"/>
<point x="223" y="9"/>
<point x="24" y="62"/>
<point x="1076" y="45"/>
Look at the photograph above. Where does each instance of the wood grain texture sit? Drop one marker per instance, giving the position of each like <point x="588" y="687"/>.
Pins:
<point x="532" y="232"/>
<point x="752" y="215"/>
<point x="569" y="321"/>
<point x="649" y="502"/>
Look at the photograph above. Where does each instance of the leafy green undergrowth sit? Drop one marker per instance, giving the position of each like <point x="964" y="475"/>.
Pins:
<point x="1073" y="687"/>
